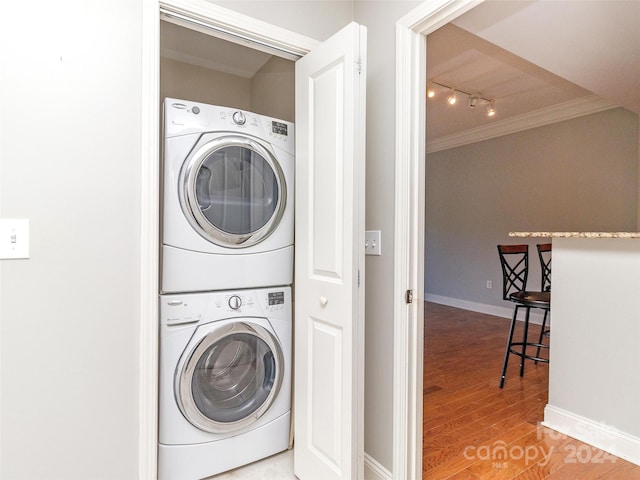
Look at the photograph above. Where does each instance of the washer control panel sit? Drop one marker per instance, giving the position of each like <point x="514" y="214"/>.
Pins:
<point x="199" y="308"/>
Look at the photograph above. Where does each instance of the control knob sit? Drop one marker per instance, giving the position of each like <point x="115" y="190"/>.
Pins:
<point x="235" y="302"/>
<point x="239" y="118"/>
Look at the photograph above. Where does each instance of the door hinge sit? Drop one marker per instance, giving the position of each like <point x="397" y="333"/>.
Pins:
<point x="408" y="296"/>
<point x="358" y="278"/>
<point x="359" y="65"/>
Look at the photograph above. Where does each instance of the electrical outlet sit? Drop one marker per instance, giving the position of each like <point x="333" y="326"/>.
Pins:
<point x="489" y="284"/>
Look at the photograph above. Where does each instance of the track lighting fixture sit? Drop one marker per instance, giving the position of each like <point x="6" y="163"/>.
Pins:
<point x="452" y="98"/>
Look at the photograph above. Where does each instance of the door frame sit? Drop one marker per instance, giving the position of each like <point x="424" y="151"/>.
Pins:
<point x="410" y="149"/>
<point x="202" y="16"/>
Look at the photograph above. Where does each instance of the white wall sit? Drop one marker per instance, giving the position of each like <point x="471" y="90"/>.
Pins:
<point x="380" y="18"/>
<point x="594" y="389"/>
<point x="70" y="163"/>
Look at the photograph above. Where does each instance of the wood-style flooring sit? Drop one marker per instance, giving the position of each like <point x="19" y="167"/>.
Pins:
<point x="475" y="431"/>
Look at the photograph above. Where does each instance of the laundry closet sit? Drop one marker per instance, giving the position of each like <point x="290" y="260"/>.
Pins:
<point x="226" y="267"/>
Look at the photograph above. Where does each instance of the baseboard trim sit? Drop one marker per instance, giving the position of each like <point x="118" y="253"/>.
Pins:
<point x="535" y="317"/>
<point x="374" y="471"/>
<point x="601" y="436"/>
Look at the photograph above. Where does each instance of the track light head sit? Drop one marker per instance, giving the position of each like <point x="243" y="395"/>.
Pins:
<point x="452" y="98"/>
<point x="473" y="101"/>
<point x="491" y="111"/>
<point x="430" y="90"/>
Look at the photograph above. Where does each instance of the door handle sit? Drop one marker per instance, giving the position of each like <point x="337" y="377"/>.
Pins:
<point x="324" y="301"/>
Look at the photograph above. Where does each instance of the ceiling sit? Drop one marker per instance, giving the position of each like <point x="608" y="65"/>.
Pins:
<point x="462" y="60"/>
<point x="533" y="56"/>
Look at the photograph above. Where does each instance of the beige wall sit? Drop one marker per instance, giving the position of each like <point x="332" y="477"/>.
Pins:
<point x="273" y="89"/>
<point x="269" y="92"/>
<point x="577" y="175"/>
<point x="199" y="84"/>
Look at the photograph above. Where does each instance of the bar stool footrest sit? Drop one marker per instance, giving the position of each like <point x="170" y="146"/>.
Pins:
<point x="529" y="357"/>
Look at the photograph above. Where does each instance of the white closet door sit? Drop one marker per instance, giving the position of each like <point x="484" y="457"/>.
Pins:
<point x="329" y="289"/>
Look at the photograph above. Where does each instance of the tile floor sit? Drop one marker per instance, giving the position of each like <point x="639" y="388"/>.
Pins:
<point x="277" y="467"/>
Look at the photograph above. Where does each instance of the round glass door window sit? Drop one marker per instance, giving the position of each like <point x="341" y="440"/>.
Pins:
<point x="233" y="191"/>
<point x="230" y="378"/>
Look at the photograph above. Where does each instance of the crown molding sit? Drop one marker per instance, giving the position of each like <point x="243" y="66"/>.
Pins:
<point x="545" y="116"/>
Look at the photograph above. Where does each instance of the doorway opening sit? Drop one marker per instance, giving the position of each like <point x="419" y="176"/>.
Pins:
<point x="238" y="29"/>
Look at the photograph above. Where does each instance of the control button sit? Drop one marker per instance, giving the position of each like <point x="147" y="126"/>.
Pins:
<point x="235" y="302"/>
<point x="196" y="110"/>
<point x="239" y="118"/>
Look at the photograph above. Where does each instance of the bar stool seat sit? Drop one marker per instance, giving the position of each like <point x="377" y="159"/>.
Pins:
<point x="532" y="299"/>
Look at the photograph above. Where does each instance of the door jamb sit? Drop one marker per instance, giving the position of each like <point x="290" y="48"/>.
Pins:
<point x="411" y="32"/>
<point x="241" y="26"/>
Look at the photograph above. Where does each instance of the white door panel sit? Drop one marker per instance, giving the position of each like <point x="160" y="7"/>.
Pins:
<point x="329" y="306"/>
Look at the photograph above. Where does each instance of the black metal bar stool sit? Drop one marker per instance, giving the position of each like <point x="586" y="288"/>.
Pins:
<point x="514" y="260"/>
<point x="544" y="255"/>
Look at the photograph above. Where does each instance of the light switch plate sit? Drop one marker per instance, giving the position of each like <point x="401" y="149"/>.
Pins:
<point x="14" y="238"/>
<point x="372" y="242"/>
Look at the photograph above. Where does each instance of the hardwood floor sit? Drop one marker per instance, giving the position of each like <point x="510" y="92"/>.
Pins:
<point x="475" y="431"/>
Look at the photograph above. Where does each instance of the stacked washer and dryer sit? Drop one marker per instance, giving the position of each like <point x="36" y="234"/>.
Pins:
<point x="225" y="289"/>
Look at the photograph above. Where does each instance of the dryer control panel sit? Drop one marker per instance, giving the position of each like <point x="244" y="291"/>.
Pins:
<point x="182" y="117"/>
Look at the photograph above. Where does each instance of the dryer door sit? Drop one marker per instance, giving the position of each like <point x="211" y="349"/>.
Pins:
<point x="230" y="378"/>
<point x="232" y="191"/>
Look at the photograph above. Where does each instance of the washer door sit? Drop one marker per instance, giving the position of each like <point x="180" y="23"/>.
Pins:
<point x="230" y="378"/>
<point x="232" y="191"/>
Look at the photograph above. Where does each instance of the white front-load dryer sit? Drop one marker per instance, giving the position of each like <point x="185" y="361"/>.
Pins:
<point x="225" y="380"/>
<point x="228" y="178"/>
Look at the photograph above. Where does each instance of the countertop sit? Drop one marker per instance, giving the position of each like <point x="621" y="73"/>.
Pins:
<point x="575" y="234"/>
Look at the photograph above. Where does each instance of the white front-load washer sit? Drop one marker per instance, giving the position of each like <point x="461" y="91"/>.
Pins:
<point x="225" y="380"/>
<point x="227" y="219"/>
